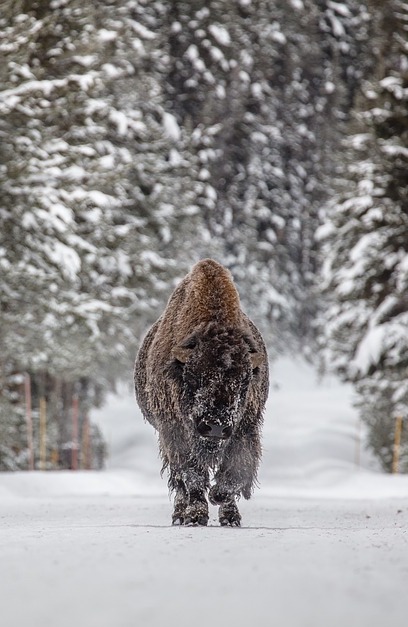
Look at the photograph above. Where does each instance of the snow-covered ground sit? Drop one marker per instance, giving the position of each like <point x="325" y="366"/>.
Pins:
<point x="323" y="543"/>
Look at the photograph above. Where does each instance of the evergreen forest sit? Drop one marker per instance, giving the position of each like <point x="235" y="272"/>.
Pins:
<point x="138" y="136"/>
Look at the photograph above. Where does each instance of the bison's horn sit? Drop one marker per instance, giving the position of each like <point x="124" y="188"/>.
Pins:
<point x="256" y="359"/>
<point x="181" y="354"/>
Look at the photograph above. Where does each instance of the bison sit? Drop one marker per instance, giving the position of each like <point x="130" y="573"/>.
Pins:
<point x="201" y="380"/>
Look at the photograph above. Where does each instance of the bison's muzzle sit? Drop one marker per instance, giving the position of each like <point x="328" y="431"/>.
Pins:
<point x="215" y="430"/>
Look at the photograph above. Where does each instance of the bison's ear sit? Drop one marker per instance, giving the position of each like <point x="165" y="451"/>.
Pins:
<point x="181" y="353"/>
<point x="257" y="359"/>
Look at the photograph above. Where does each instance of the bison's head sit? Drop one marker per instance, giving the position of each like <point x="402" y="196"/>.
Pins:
<point x="215" y="366"/>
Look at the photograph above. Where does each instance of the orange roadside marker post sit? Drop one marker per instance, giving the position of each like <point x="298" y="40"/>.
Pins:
<point x="75" y="429"/>
<point x="43" y="433"/>
<point x="29" y="420"/>
<point x="397" y="443"/>
<point x="86" y="461"/>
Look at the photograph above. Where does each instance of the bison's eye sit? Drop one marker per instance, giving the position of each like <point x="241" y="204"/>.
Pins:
<point x="182" y="352"/>
<point x="191" y="342"/>
<point x="175" y="369"/>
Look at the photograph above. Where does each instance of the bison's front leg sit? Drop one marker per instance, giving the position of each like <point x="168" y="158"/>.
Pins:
<point x="196" y="480"/>
<point x="228" y="513"/>
<point x="236" y="474"/>
<point x="190" y="503"/>
<point x="188" y="476"/>
<point x="180" y="504"/>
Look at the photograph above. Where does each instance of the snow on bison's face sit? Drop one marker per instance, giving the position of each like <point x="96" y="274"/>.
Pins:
<point x="214" y="367"/>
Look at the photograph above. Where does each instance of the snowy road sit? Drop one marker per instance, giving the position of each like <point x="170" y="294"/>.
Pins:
<point x="107" y="561"/>
<point x="324" y="543"/>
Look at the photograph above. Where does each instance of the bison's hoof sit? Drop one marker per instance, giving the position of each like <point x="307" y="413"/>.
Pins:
<point x="225" y="522"/>
<point x="196" y="515"/>
<point x="179" y="512"/>
<point x="177" y="521"/>
<point x="229" y="515"/>
<point x="202" y="521"/>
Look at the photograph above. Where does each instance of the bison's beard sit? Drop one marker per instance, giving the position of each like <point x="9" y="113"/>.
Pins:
<point x="207" y="451"/>
<point x="211" y="444"/>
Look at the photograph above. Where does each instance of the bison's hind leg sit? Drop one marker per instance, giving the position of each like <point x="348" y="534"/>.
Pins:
<point x="228" y="513"/>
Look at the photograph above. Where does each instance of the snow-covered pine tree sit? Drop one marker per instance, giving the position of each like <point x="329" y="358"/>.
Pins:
<point x="94" y="192"/>
<point x="366" y="244"/>
<point x="262" y="89"/>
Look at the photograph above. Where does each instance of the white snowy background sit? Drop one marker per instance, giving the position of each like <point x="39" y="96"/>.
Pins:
<point x="323" y="543"/>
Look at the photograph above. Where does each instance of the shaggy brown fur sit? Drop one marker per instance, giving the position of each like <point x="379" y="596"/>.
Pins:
<point x="203" y="370"/>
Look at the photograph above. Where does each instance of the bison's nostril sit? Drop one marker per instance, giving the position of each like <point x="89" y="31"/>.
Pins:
<point x="204" y="428"/>
<point x="227" y="431"/>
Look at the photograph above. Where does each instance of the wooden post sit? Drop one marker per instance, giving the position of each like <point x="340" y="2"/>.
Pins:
<point x="75" y="429"/>
<point x="29" y="420"/>
<point x="86" y="458"/>
<point x="43" y="433"/>
<point x="397" y="443"/>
